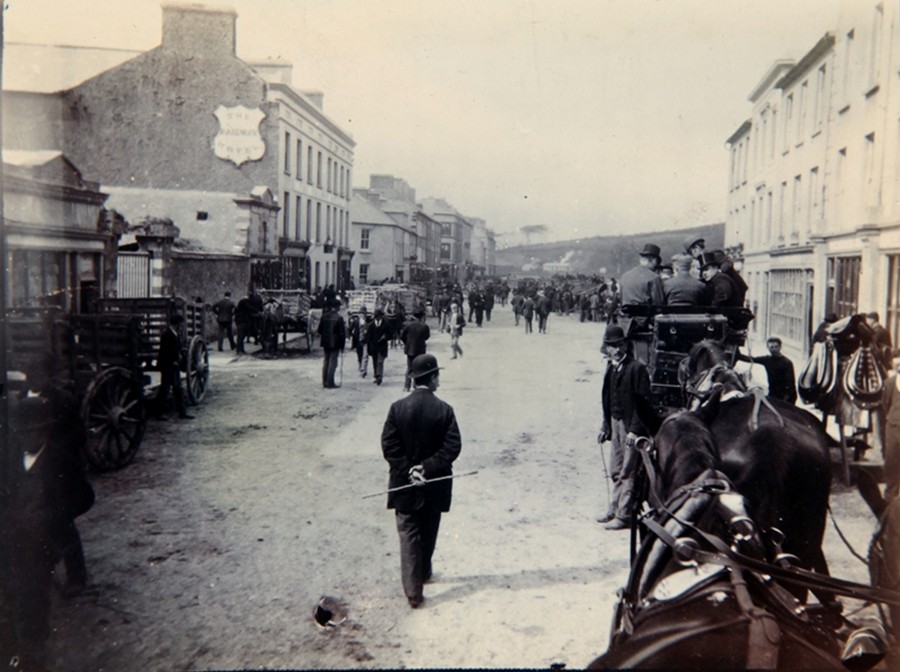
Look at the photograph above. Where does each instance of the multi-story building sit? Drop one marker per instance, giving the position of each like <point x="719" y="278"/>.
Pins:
<point x="242" y="162"/>
<point x="484" y="248"/>
<point x="408" y="249"/>
<point x="456" y="239"/>
<point x="813" y="182"/>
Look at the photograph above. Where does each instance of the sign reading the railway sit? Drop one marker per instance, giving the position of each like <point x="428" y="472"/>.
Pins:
<point x="239" y="139"/>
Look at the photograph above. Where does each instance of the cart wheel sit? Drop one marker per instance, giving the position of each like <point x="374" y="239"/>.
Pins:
<point x="115" y="417"/>
<point x="197" y="370"/>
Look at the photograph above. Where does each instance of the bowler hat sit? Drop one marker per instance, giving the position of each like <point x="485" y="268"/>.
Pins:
<point x="614" y="335"/>
<point x="692" y="240"/>
<point x="422" y="365"/>
<point x="650" y="250"/>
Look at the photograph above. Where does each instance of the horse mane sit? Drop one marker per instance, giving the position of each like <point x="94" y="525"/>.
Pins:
<point x="685" y="449"/>
<point x="709" y="349"/>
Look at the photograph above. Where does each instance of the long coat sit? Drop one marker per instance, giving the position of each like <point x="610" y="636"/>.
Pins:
<point x="331" y="331"/>
<point x="377" y="336"/>
<point x="629" y="382"/>
<point x="414" y="334"/>
<point x="420" y="429"/>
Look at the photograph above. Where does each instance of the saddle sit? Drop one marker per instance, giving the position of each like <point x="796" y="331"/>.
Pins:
<point x="863" y="380"/>
<point x="819" y="375"/>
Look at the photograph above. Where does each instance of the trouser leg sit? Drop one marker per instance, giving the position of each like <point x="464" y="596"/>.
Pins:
<point x="407" y="383"/>
<point x="72" y="553"/>
<point x="418" y="536"/>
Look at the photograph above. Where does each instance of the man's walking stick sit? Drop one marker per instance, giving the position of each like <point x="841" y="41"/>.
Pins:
<point x="417" y="485"/>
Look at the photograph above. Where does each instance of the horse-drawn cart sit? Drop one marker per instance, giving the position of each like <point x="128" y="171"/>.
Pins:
<point x="104" y="359"/>
<point x="669" y="335"/>
<point x="293" y="314"/>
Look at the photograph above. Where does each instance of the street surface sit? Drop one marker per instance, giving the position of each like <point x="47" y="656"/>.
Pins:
<point x="212" y="549"/>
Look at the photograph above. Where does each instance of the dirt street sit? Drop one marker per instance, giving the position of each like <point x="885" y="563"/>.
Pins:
<point x="212" y="549"/>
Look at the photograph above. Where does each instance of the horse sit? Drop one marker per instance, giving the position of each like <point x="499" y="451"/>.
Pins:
<point x="775" y="453"/>
<point x="694" y="597"/>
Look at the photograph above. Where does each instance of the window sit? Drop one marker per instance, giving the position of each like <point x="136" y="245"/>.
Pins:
<point x="842" y="292"/>
<point x="814" y="200"/>
<point x="298" y="224"/>
<point x="875" y="53"/>
<point x="318" y="222"/>
<point x="286" y="211"/>
<point x="287" y="153"/>
<point x="329" y="185"/>
<point x="446" y="230"/>
<point x="819" y="104"/>
<point x="847" y="77"/>
<point x="787" y="304"/>
<point x="872" y="193"/>
<point x="364" y="274"/>
<point x="328" y="222"/>
<point x="364" y="238"/>
<point x="319" y="170"/>
<point x="801" y="112"/>
<point x="318" y="274"/>
<point x="445" y="251"/>
<point x="772" y="133"/>
<point x="788" y="120"/>
<point x="299" y="159"/>
<point x="308" y="219"/>
<point x="309" y="164"/>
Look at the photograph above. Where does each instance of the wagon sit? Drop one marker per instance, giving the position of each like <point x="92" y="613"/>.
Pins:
<point x="296" y="314"/>
<point x="103" y="359"/>
<point x="672" y="332"/>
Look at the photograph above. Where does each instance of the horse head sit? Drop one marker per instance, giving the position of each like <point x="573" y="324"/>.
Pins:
<point x="705" y="370"/>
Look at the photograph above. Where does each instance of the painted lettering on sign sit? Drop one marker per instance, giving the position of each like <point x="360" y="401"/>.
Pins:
<point x="239" y="139"/>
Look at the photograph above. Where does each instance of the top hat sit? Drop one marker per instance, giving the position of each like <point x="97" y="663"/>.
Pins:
<point x="650" y="250"/>
<point x="379" y="312"/>
<point x="690" y="241"/>
<point x="614" y="335"/>
<point x="422" y="365"/>
<point x="709" y="259"/>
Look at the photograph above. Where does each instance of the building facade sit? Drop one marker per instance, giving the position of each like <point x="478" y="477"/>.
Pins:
<point x="455" y="259"/>
<point x="813" y="210"/>
<point x="239" y="160"/>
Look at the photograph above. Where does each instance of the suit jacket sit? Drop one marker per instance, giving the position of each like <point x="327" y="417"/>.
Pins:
<point x="332" y="332"/>
<point x="414" y="336"/>
<point x="377" y="338"/>
<point x="640" y="286"/>
<point x="722" y="291"/>
<point x="420" y="429"/>
<point x="685" y="290"/>
<point x="623" y="387"/>
<point x="169" y="350"/>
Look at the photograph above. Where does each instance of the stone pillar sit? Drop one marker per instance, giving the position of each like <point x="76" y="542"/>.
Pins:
<point x="157" y="236"/>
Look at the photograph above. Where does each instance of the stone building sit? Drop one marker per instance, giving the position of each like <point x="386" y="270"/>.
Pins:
<point x="240" y="161"/>
<point x="483" y="248"/>
<point x="813" y="209"/>
<point x="456" y="239"/>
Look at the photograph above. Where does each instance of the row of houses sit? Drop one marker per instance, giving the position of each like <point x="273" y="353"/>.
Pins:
<point x="187" y="170"/>
<point x="813" y="184"/>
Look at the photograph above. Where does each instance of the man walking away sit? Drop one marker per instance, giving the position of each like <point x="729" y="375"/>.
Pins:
<point x="377" y="344"/>
<point x="414" y="335"/>
<point x="224" y="312"/>
<point x="359" y="322"/>
<point x="245" y="319"/>
<point x="420" y="441"/>
<point x="333" y="337"/>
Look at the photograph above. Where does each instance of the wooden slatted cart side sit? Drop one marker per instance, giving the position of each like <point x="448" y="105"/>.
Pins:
<point x="155" y="313"/>
<point x="296" y="305"/>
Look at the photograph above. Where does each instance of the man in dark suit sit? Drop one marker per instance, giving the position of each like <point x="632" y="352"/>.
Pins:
<point x="721" y="291"/>
<point x="377" y="336"/>
<point x="48" y="491"/>
<point x="169" y="363"/>
<point x="333" y="336"/>
<point x="414" y="334"/>
<point x="420" y="441"/>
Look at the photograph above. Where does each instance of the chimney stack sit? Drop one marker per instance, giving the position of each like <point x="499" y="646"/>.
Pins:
<point x="199" y="30"/>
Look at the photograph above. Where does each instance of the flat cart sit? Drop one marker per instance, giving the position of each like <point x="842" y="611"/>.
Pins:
<point x="95" y="358"/>
<point x="671" y="333"/>
<point x="154" y="314"/>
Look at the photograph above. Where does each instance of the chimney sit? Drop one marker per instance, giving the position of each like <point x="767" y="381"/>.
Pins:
<point x="199" y="30"/>
<point x="317" y="98"/>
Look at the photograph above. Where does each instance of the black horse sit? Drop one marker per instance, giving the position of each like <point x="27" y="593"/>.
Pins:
<point x="690" y="603"/>
<point x="776" y="454"/>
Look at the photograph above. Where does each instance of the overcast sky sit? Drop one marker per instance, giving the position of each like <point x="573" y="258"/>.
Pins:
<point x="591" y="117"/>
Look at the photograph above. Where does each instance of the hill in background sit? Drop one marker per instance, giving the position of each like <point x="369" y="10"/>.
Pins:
<point x="616" y="254"/>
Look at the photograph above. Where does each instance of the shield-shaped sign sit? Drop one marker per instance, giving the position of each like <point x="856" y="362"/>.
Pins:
<point x="239" y="139"/>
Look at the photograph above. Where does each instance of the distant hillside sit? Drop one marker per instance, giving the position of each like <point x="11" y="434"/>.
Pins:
<point x="614" y="253"/>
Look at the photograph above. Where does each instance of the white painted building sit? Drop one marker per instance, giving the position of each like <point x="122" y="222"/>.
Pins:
<point x="813" y="182"/>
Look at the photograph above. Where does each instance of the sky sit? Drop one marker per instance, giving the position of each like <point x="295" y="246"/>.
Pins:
<point x="588" y="117"/>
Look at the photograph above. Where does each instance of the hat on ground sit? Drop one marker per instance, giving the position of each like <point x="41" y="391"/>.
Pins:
<point x="708" y="259"/>
<point x="614" y="335"/>
<point x="682" y="261"/>
<point x="692" y="240"/>
<point x="422" y="365"/>
<point x="650" y="250"/>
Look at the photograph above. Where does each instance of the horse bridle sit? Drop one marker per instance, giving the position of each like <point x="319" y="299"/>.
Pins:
<point x="718" y="552"/>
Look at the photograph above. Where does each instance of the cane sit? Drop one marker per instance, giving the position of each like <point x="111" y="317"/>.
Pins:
<point x="417" y="485"/>
<point x="605" y="471"/>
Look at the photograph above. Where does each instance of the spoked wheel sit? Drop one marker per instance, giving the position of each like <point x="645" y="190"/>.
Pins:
<point x="115" y="417"/>
<point x="197" y="370"/>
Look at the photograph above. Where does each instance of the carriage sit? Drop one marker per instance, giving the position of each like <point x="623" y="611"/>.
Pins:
<point x="670" y="334"/>
<point x="105" y="359"/>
